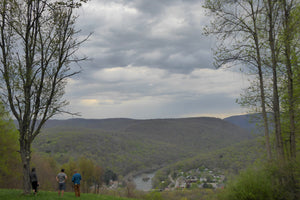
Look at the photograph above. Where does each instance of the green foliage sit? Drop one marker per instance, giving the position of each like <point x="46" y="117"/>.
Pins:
<point x="250" y="185"/>
<point x="154" y="196"/>
<point x="86" y="167"/>
<point x="70" y="167"/>
<point x="193" y="194"/>
<point x="47" y="169"/>
<point x="270" y="181"/>
<point x="209" y="178"/>
<point x="109" y="175"/>
<point x="207" y="185"/>
<point x="9" y="159"/>
<point x="91" y="173"/>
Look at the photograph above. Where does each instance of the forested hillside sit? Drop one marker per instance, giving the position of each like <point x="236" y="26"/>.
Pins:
<point x="126" y="145"/>
<point x="250" y="122"/>
<point x="229" y="160"/>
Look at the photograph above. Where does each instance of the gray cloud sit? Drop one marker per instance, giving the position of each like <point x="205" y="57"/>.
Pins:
<point x="149" y="59"/>
<point x="160" y="34"/>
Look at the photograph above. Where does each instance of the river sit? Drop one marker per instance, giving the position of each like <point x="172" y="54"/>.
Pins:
<point x="142" y="184"/>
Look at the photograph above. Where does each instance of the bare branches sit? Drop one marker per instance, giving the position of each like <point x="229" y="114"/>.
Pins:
<point x="263" y="34"/>
<point x="242" y="37"/>
<point x="234" y="26"/>
<point x="38" y="45"/>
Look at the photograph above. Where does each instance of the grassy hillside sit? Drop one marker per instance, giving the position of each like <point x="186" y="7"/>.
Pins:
<point x="127" y="145"/>
<point x="6" y="194"/>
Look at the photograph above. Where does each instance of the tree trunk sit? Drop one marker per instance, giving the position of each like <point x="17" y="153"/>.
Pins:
<point x="263" y="105"/>
<point x="25" y="157"/>
<point x="288" y="63"/>
<point x="276" y="109"/>
<point x="37" y="45"/>
<point x="291" y="108"/>
<point x="288" y="32"/>
<point x="261" y="83"/>
<point x="276" y="106"/>
<point x="265" y="117"/>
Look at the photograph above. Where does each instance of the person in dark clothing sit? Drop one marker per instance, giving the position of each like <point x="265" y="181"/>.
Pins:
<point x="34" y="180"/>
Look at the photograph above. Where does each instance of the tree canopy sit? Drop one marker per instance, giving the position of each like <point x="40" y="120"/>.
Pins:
<point x="9" y="160"/>
<point x="38" y="45"/>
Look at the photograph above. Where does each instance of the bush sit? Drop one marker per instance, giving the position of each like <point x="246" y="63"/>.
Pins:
<point x="272" y="181"/>
<point x="154" y="196"/>
<point x="207" y="185"/>
<point x="250" y="184"/>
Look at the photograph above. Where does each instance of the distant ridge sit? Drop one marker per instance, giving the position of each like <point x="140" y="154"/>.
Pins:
<point x="250" y="122"/>
<point x="246" y="122"/>
<point x="111" y="124"/>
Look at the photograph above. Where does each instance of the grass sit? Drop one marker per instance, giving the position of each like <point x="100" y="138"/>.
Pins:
<point x="9" y="194"/>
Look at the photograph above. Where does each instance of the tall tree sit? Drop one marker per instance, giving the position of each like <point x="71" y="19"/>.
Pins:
<point x="97" y="178"/>
<point x="272" y="28"/>
<point x="238" y="25"/>
<point x="37" y="47"/>
<point x="290" y="35"/>
<point x="87" y="171"/>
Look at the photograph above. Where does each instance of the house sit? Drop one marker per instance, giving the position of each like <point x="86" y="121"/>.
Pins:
<point x="203" y="179"/>
<point x="180" y="182"/>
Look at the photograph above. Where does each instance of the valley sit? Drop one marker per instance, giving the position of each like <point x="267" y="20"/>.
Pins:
<point x="129" y="146"/>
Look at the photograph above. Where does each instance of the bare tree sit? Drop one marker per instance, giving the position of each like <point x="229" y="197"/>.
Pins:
<point x="37" y="48"/>
<point x="263" y="34"/>
<point x="239" y="25"/>
<point x="272" y="14"/>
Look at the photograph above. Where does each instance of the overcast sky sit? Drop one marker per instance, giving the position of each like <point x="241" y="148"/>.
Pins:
<point x="150" y="59"/>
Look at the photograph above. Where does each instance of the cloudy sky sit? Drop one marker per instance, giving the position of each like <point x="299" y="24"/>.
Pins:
<point x="150" y="59"/>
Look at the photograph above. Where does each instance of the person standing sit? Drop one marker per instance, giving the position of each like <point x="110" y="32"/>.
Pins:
<point x="34" y="181"/>
<point x="61" y="179"/>
<point x="76" y="180"/>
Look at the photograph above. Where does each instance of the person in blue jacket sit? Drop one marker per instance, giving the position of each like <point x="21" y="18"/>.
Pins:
<point x="76" y="181"/>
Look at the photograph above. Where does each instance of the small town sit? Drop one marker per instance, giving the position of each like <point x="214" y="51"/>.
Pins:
<point x="200" y="177"/>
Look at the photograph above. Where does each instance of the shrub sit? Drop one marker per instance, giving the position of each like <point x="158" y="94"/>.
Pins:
<point x="154" y="196"/>
<point x="251" y="184"/>
<point x="272" y="180"/>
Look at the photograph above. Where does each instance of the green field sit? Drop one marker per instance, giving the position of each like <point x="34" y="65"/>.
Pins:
<point x="6" y="194"/>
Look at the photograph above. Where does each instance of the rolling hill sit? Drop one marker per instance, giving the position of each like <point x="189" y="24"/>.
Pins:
<point x="251" y="122"/>
<point x="127" y="145"/>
